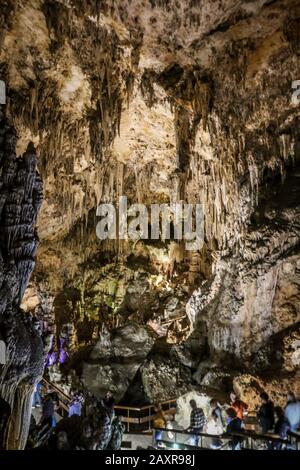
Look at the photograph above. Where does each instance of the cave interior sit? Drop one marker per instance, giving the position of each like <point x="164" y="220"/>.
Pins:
<point x="164" y="102"/>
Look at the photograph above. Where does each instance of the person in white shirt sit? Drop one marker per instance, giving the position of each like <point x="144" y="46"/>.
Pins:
<point x="215" y="428"/>
<point x="292" y="411"/>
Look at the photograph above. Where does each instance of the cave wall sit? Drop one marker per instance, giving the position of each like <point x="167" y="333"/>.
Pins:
<point x="21" y="196"/>
<point x="164" y="101"/>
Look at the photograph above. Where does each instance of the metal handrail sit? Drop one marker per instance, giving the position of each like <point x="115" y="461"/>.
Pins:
<point x="242" y="435"/>
<point x="119" y="407"/>
<point x="57" y="389"/>
<point x="251" y="434"/>
<point x="294" y="438"/>
<point x="145" y="407"/>
<point x="64" y="400"/>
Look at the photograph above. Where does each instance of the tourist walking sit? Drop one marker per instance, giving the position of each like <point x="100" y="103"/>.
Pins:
<point x="197" y="422"/>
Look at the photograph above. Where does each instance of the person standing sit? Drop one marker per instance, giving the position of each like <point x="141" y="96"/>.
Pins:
<point x="216" y="411"/>
<point x="215" y="428"/>
<point x="159" y="422"/>
<point x="281" y="427"/>
<point x="235" y="425"/>
<point x="48" y="410"/>
<point x="238" y="405"/>
<point x="266" y="413"/>
<point x="37" y="399"/>
<point x="52" y="358"/>
<point x="292" y="411"/>
<point x="197" y="421"/>
<point x="75" y="407"/>
<point x="109" y="401"/>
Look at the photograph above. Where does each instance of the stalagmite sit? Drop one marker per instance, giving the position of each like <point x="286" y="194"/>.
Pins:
<point x="24" y="362"/>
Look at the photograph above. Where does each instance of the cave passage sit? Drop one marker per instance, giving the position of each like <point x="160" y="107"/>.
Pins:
<point x="149" y="225"/>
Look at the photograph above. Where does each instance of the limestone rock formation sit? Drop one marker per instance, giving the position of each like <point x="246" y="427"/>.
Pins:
<point x="165" y="101"/>
<point x="115" y="359"/>
<point x="21" y="197"/>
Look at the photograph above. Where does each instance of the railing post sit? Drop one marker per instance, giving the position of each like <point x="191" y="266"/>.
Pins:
<point x="128" y="413"/>
<point x="149" y="426"/>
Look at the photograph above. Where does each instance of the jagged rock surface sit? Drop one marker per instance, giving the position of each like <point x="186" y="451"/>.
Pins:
<point x="21" y="197"/>
<point x="164" y="101"/>
<point x="115" y="360"/>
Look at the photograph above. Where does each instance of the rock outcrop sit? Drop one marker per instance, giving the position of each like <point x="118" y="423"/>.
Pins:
<point x="20" y="200"/>
<point x="115" y="359"/>
<point x="166" y="101"/>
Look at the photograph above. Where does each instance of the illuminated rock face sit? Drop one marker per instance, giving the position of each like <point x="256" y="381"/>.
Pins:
<point x="166" y="101"/>
<point x="252" y="300"/>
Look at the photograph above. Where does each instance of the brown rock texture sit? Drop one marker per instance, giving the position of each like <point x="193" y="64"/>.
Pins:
<point x="21" y="195"/>
<point x="166" y="101"/>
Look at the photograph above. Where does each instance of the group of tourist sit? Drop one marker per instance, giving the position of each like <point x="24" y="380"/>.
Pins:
<point x="230" y="419"/>
<point x="91" y="424"/>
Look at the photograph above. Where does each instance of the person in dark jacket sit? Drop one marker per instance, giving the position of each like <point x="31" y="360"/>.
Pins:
<point x="266" y="413"/>
<point x="282" y="425"/>
<point x="48" y="410"/>
<point x="109" y="404"/>
<point x="109" y="401"/>
<point x="235" y="425"/>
